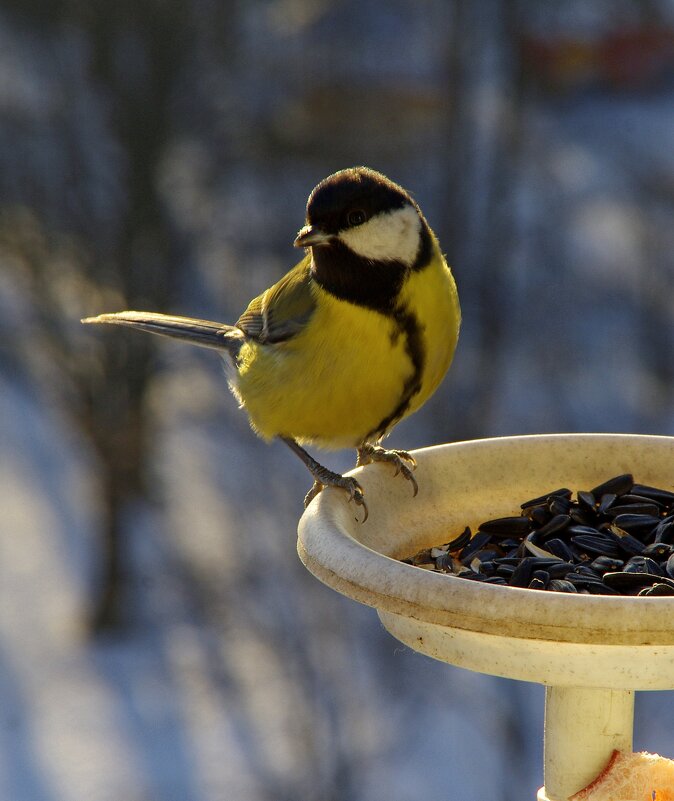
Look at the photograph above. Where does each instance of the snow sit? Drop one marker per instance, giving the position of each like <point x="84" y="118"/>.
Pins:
<point x="194" y="706"/>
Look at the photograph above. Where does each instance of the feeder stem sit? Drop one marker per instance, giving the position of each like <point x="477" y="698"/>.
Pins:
<point x="582" y="728"/>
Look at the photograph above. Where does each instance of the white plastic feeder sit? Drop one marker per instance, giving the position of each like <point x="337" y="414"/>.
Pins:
<point x="590" y="651"/>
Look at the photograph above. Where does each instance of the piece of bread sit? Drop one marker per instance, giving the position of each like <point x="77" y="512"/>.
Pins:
<point x="631" y="777"/>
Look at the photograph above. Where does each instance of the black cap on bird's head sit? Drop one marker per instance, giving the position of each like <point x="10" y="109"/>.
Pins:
<point x="348" y="199"/>
<point x="365" y="233"/>
<point x="357" y="189"/>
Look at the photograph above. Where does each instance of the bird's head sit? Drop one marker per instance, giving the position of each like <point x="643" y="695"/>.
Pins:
<point x="364" y="212"/>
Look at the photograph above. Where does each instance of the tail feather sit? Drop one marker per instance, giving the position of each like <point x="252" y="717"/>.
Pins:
<point x="206" y="333"/>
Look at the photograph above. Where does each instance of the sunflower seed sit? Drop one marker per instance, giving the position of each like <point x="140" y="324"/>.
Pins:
<point x="669" y="566"/>
<point x="509" y="543"/>
<point x="539" y="515"/>
<point x="421" y="557"/>
<point x="618" y="485"/>
<point x="586" y="500"/>
<point x="606" y="502"/>
<point x="602" y="589"/>
<point x="657" y="589"/>
<point x="582" y="517"/>
<point x="471" y="575"/>
<point x="659" y="551"/>
<point x="477" y="543"/>
<point x="555" y="524"/>
<point x="590" y="531"/>
<point x="595" y="545"/>
<point x="559" y="548"/>
<point x="642" y="564"/>
<point x="521" y="575"/>
<point x="506" y="526"/>
<point x="633" y="523"/>
<point x="664" y="531"/>
<point x="662" y="496"/>
<point x="623" y="580"/>
<point x="606" y="564"/>
<point x="637" y="509"/>
<point x="632" y="498"/>
<point x="461" y="541"/>
<point x="617" y="538"/>
<point x="536" y="550"/>
<point x="561" y="585"/>
<point x="446" y="563"/>
<point x="559" y="570"/>
<point x="626" y="542"/>
<point x="581" y="581"/>
<point x="543" y="499"/>
<point x="559" y="505"/>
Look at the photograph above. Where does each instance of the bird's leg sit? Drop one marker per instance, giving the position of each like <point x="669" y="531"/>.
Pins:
<point x="403" y="461"/>
<point x="326" y="478"/>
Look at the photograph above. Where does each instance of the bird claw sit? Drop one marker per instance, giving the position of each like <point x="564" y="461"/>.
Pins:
<point x="357" y="496"/>
<point x="313" y="492"/>
<point x="404" y="456"/>
<point x="403" y="462"/>
<point x="409" y="475"/>
<point x="355" y="491"/>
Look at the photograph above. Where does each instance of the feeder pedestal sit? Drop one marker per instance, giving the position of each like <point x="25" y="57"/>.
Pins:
<point x="607" y="719"/>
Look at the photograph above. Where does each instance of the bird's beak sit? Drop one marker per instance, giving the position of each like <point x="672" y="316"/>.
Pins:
<point x="311" y="236"/>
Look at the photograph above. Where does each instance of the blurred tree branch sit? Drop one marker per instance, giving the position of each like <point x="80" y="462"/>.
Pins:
<point x="483" y="124"/>
<point x="72" y="261"/>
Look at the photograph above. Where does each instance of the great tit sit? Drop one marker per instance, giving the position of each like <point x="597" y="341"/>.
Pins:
<point x="354" y="338"/>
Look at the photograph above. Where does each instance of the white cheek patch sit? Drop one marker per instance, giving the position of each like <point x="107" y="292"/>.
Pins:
<point x="391" y="236"/>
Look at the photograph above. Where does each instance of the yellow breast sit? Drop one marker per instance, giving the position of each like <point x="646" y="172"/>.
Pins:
<point x="333" y="383"/>
<point x="432" y="295"/>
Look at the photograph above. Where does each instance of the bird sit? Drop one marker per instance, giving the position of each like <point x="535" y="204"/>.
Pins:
<point x="354" y="338"/>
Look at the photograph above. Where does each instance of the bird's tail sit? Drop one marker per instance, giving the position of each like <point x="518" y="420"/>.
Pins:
<point x="206" y="333"/>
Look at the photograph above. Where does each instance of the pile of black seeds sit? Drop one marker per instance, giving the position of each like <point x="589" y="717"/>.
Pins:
<point x="615" y="539"/>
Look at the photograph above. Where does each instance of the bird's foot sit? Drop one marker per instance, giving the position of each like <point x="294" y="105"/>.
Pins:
<point x="327" y="478"/>
<point x="330" y="479"/>
<point x="403" y="461"/>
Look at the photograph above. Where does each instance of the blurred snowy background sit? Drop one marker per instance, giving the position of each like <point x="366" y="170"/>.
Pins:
<point x="159" y="640"/>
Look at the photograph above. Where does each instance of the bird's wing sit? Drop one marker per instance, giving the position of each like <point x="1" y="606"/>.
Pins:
<point x="283" y="310"/>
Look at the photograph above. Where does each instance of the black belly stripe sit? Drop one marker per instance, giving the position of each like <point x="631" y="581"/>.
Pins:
<point x="408" y="326"/>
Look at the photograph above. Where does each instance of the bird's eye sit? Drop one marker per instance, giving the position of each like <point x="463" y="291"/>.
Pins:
<point x="356" y="217"/>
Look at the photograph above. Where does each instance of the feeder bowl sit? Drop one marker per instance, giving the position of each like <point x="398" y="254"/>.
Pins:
<point x="591" y="651"/>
